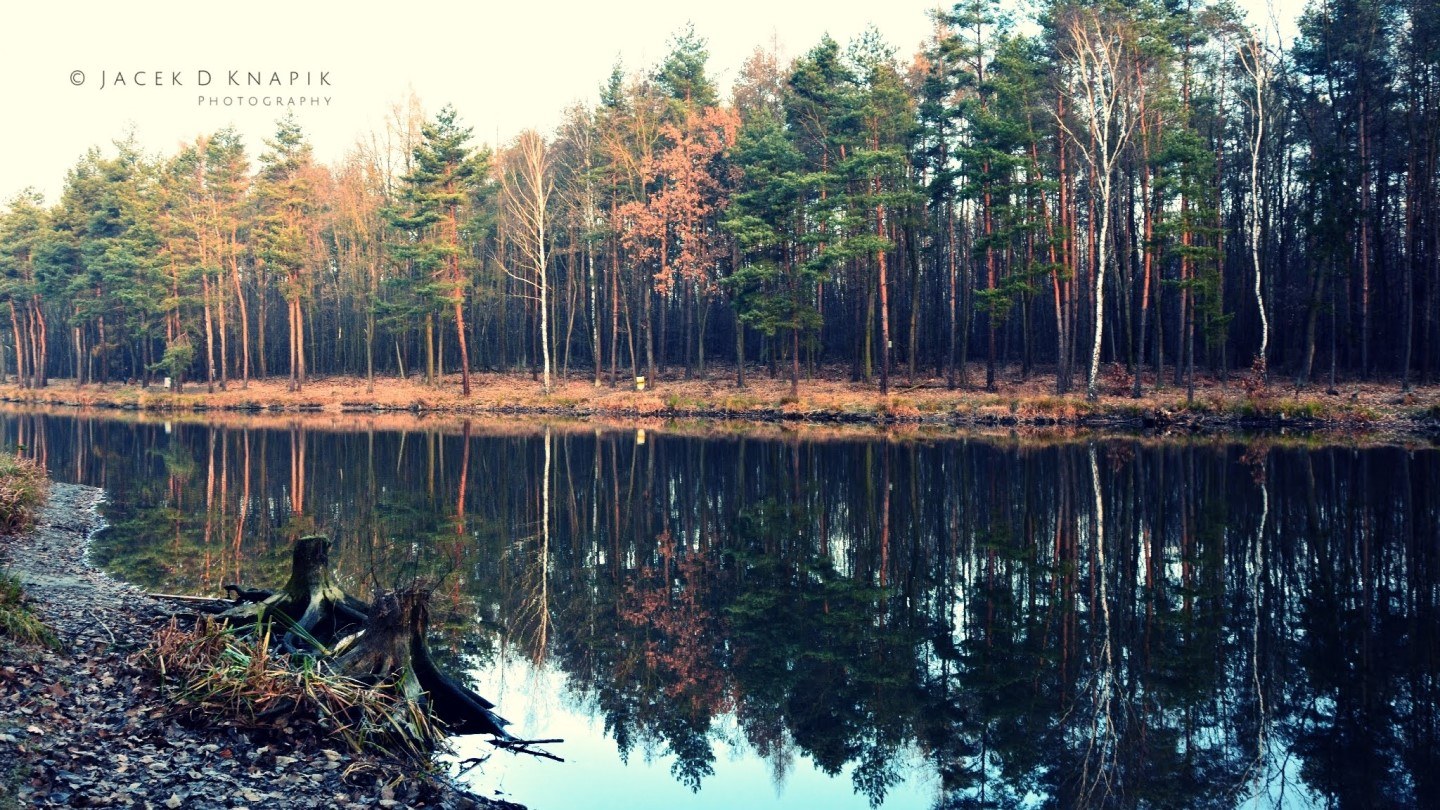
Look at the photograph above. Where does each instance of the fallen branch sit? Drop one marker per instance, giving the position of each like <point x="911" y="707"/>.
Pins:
<point x="193" y="600"/>
<point x="515" y="746"/>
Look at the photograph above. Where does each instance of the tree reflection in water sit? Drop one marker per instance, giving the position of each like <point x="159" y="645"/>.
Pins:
<point x="1092" y="622"/>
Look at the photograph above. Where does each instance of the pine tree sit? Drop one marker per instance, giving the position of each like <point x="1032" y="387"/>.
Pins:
<point x="880" y="134"/>
<point x="227" y="182"/>
<point x="431" y="215"/>
<point x="24" y="226"/>
<point x="774" y="287"/>
<point x="101" y="261"/>
<point x="819" y="104"/>
<point x="286" y="229"/>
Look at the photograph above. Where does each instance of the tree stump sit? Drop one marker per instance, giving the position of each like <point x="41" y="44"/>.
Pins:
<point x="310" y="600"/>
<point x="381" y="644"/>
<point x="391" y="649"/>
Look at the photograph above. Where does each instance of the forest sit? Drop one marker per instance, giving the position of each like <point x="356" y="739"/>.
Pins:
<point x="1150" y="187"/>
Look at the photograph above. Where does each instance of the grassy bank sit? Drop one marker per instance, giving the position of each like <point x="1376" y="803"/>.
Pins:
<point x="833" y="398"/>
<point x="23" y="487"/>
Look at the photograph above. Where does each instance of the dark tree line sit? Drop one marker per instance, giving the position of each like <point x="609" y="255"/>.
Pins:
<point x="1149" y="186"/>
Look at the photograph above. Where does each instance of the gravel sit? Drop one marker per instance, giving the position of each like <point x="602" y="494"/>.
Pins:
<point x="85" y="727"/>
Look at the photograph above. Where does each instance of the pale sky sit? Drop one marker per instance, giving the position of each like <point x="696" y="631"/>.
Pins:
<point x="504" y="65"/>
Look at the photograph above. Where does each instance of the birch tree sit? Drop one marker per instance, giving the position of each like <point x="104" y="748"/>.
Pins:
<point x="526" y="183"/>
<point x="1254" y="62"/>
<point x="1098" y="49"/>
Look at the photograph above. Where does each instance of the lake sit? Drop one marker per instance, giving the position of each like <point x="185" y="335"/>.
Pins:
<point x="720" y="617"/>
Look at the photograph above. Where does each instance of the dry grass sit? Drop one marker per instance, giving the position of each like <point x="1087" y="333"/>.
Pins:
<point x="216" y="671"/>
<point x="23" y="489"/>
<point x="17" y="622"/>
<point x="829" y="397"/>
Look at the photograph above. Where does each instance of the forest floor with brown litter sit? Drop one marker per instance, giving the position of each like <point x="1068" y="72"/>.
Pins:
<point x="83" y="726"/>
<point x="1234" y="402"/>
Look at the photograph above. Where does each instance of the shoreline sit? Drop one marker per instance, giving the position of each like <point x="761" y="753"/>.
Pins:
<point x="1217" y="407"/>
<point x="84" y="726"/>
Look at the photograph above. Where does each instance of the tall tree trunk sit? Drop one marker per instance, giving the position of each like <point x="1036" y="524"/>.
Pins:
<point x="458" y="304"/>
<point x="260" y="330"/>
<point x="1412" y="251"/>
<point x="293" y="322"/>
<point x="1364" y="242"/>
<point x="220" y="308"/>
<point x="648" y="321"/>
<point x="912" y="254"/>
<point x="457" y="296"/>
<point x="41" y="343"/>
<point x="78" y="343"/>
<point x="209" y="335"/>
<point x="594" y="303"/>
<point x="544" y="282"/>
<point x="1064" y="336"/>
<point x="1312" y="324"/>
<point x="884" y="299"/>
<point x="369" y="329"/>
<point x="244" y="323"/>
<point x="1257" y="69"/>
<point x="954" y="327"/>
<point x="1146" y="270"/>
<point x="430" y="348"/>
<point x="1092" y="386"/>
<point x="1186" y="331"/>
<point x="614" y="298"/>
<point x="22" y="351"/>
<point x="988" y="225"/>
<point x="795" y="364"/>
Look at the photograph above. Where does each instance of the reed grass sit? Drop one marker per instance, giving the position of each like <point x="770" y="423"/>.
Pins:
<point x="218" y="671"/>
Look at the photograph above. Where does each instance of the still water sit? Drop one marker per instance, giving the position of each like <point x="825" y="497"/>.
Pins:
<point x="778" y="620"/>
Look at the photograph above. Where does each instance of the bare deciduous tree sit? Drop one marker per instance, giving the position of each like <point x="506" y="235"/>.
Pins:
<point x="526" y="184"/>
<point x="1099" y="51"/>
<point x="1254" y="61"/>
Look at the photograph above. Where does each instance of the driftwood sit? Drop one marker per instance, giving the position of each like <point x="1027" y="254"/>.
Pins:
<point x="202" y="601"/>
<point x="382" y="644"/>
